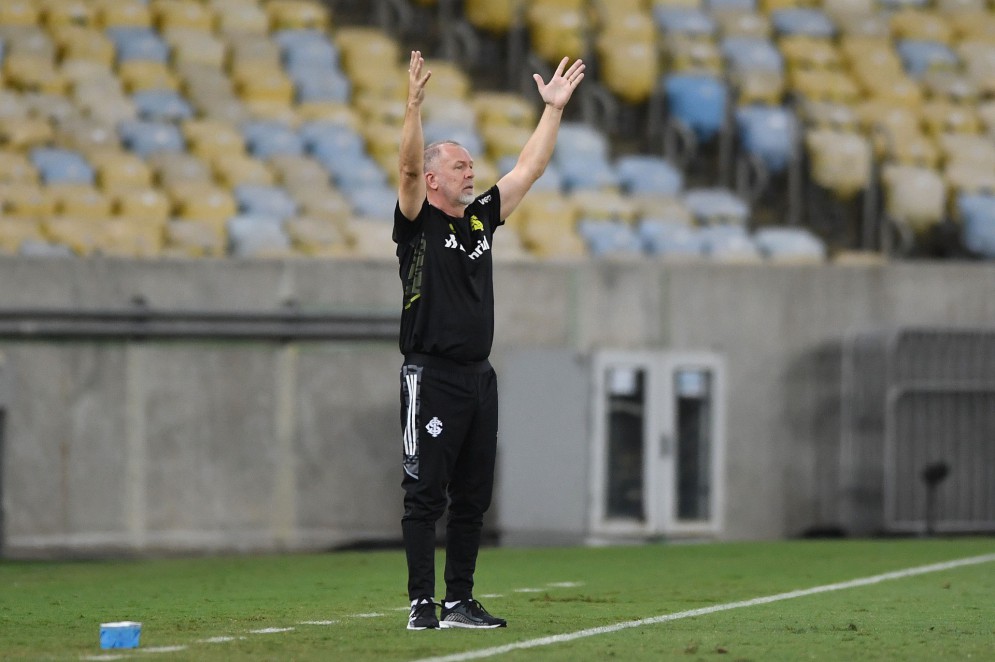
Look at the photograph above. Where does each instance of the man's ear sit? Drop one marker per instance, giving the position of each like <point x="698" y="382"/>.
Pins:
<point x="431" y="181"/>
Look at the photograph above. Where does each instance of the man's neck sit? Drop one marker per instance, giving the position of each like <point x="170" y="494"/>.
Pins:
<point x="447" y="208"/>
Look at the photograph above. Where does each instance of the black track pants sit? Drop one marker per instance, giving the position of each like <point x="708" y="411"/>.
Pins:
<point x="449" y="418"/>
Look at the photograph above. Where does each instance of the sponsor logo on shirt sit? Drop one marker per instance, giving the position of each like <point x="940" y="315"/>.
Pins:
<point x="484" y="200"/>
<point x="482" y="246"/>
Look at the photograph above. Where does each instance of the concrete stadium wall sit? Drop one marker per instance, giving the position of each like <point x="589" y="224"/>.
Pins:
<point x="162" y="446"/>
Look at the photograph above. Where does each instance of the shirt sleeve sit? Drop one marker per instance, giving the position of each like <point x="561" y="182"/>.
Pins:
<point x="404" y="229"/>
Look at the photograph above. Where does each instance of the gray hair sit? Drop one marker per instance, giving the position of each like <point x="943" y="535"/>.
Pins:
<point x="432" y="153"/>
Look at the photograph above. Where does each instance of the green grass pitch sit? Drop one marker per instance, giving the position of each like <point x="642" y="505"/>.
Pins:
<point x="351" y="605"/>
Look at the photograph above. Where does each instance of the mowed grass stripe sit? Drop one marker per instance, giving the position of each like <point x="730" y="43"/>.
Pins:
<point x="704" y="611"/>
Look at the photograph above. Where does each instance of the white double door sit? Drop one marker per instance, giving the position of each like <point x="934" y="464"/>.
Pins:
<point x="658" y="441"/>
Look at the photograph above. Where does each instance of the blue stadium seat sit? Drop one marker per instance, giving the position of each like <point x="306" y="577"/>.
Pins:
<point x="307" y="48"/>
<point x="264" y="139"/>
<point x="322" y="137"/>
<point x="164" y="105"/>
<point x="254" y="235"/>
<point x="319" y="84"/>
<point x="375" y="201"/>
<point x="643" y="173"/>
<point x="683" y="21"/>
<point x="768" y="133"/>
<point x="728" y="242"/>
<point x="716" y="205"/>
<point x="604" y="237"/>
<point x="784" y="243"/>
<point x="262" y="200"/>
<point x="550" y="180"/>
<point x="145" y="137"/>
<point x="132" y="43"/>
<point x="669" y="239"/>
<point x="352" y="171"/>
<point x="713" y="6"/>
<point x="752" y="54"/>
<point x="918" y="56"/>
<point x="62" y="166"/>
<point x="977" y="212"/>
<point x="699" y="101"/>
<point x="803" y="21"/>
<point x="467" y="136"/>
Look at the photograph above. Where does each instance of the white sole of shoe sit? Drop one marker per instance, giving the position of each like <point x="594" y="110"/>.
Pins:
<point x="448" y="624"/>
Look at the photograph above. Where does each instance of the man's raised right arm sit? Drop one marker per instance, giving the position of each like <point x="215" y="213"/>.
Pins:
<point x="411" y="189"/>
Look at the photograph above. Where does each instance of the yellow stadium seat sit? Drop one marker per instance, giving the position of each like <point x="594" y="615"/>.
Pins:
<point x="127" y="237"/>
<point x="172" y="168"/>
<point x="839" y="161"/>
<point x="80" y="201"/>
<point x="364" y="46"/>
<point x="692" y="54"/>
<point x="247" y="51"/>
<point x="661" y="206"/>
<point x="21" y="133"/>
<point x="551" y="242"/>
<point x="192" y="238"/>
<point x="264" y="83"/>
<point x="965" y="148"/>
<point x="502" y="140"/>
<point x="449" y="80"/>
<point x="120" y="170"/>
<point x="943" y="116"/>
<point x="26" y="200"/>
<point x="318" y="237"/>
<point x="15" y="231"/>
<point x="961" y="177"/>
<point x="169" y="14"/>
<point x="84" y="43"/>
<point x="202" y="201"/>
<point x="805" y="52"/>
<point x="118" y="14"/>
<point x="686" y="4"/>
<point x="978" y="24"/>
<point x="80" y="236"/>
<point x="334" y="111"/>
<point x="911" y="23"/>
<point x="379" y="84"/>
<point x="295" y="171"/>
<point x="322" y="202"/>
<point x="57" y="13"/>
<point x="896" y="134"/>
<point x="147" y="203"/>
<point x="503" y="108"/>
<point x="914" y="195"/>
<point x="496" y="17"/>
<point x="195" y="46"/>
<point x="986" y="115"/>
<point x="16" y="168"/>
<point x="540" y="207"/>
<point x="209" y="138"/>
<point x="837" y="9"/>
<point x="240" y="18"/>
<point x="630" y="18"/>
<point x="297" y="15"/>
<point x="757" y="86"/>
<point x="28" y="72"/>
<point x="232" y="170"/>
<point x="828" y="115"/>
<point x="743" y="23"/>
<point x="555" y="31"/>
<point x="629" y="67"/>
<point x="824" y="85"/>
<point x="978" y="56"/>
<point x="447" y="110"/>
<point x="603" y="205"/>
<point x="140" y="75"/>
<point x="901" y="90"/>
<point x="19" y="12"/>
<point x="872" y="24"/>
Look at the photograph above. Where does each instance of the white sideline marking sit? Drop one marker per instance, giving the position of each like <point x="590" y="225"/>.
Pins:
<point x="565" y="584"/>
<point x="218" y="640"/>
<point x="370" y="615"/>
<point x="270" y="630"/>
<point x="607" y="629"/>
<point x="528" y="590"/>
<point x="162" y="649"/>
<point x="325" y="622"/>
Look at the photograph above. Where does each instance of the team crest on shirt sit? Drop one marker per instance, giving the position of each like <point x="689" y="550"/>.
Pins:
<point x="475" y="223"/>
<point x="434" y="427"/>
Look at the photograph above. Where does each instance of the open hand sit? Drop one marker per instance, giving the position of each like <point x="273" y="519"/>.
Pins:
<point x="561" y="86"/>
<point x="417" y="77"/>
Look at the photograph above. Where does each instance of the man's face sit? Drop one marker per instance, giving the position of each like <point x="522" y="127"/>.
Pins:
<point x="453" y="174"/>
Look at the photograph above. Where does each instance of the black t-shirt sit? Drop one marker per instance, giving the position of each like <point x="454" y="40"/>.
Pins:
<point x="447" y="272"/>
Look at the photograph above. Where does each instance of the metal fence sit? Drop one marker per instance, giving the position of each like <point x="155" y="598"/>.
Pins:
<point x="918" y="431"/>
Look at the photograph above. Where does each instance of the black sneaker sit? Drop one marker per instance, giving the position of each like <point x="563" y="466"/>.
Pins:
<point x="469" y="614"/>
<point x="422" y="616"/>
